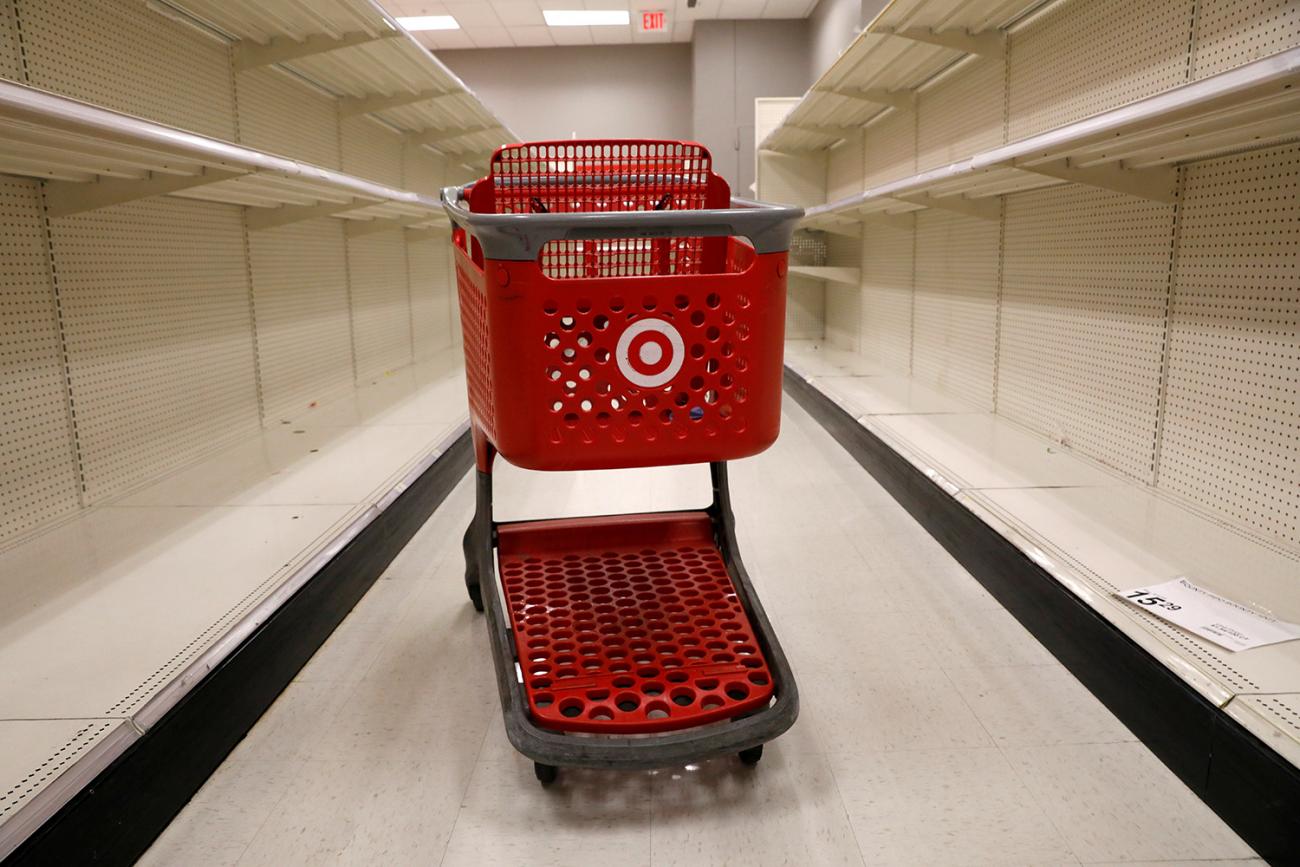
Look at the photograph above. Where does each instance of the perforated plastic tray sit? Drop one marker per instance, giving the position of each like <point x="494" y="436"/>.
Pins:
<point x="629" y="624"/>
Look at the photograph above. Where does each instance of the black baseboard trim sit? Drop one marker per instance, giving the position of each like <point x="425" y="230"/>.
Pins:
<point x="117" y="817"/>
<point x="1251" y="787"/>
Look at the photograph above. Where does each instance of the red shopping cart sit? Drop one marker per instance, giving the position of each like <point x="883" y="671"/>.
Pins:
<point x="620" y="309"/>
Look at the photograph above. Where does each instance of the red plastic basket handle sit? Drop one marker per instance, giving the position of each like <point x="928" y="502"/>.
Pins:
<point x="520" y="237"/>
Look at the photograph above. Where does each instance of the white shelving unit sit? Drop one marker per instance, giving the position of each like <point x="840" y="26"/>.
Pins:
<point x="164" y="583"/>
<point x="1074" y="227"/>
<point x="93" y="158"/>
<point x="1133" y="149"/>
<point x="229" y="300"/>
<point x="905" y="46"/>
<point x="357" y="52"/>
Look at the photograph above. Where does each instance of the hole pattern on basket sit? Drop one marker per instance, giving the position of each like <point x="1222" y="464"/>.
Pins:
<point x="633" y="639"/>
<point x="590" y="396"/>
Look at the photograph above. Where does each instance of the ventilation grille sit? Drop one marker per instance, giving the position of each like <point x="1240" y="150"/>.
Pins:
<point x="1085" y="283"/>
<point x="381" y="303"/>
<point x="300" y="300"/>
<point x="284" y="116"/>
<point x="1231" y="436"/>
<point x="121" y="55"/>
<point x="38" y="471"/>
<point x="156" y="316"/>
<point x="955" y="327"/>
<point x="1082" y="58"/>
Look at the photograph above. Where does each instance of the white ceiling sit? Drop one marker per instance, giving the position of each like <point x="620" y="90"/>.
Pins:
<point x="507" y="23"/>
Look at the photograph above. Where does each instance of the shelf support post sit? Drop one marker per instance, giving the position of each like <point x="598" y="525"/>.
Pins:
<point x="269" y="218"/>
<point x="1159" y="183"/>
<point x="64" y="198"/>
<point x="987" y="43"/>
<point x="281" y="49"/>
<point x="351" y="106"/>
<point x="983" y="209"/>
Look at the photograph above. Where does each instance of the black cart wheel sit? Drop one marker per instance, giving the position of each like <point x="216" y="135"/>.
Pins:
<point x="546" y="774"/>
<point x="751" y="756"/>
<point x="472" y="585"/>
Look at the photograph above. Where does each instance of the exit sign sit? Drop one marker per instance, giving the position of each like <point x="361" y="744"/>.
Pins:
<point x="654" y="22"/>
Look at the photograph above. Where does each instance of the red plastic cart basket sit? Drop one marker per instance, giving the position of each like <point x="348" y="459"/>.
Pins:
<point x="616" y="311"/>
<point x="620" y="309"/>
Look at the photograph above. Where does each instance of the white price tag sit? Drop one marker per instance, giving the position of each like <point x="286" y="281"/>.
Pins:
<point x="1229" y="624"/>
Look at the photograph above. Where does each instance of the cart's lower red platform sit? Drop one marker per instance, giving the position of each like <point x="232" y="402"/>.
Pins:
<point x="629" y="624"/>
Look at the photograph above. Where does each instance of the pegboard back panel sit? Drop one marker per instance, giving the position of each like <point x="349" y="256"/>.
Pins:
<point x="1087" y="56"/>
<point x="423" y="171"/>
<point x="284" y="116"/>
<point x="844" y="166"/>
<point x="11" y="58"/>
<point x="120" y="55"/>
<point x="159" y="334"/>
<point x="381" y="303"/>
<point x="805" y="308"/>
<point x="961" y="113"/>
<point x="371" y="151"/>
<point x="300" y="305"/>
<point x="428" y="262"/>
<point x="956" y="306"/>
<point x="38" y="468"/>
<point x="887" y="281"/>
<point x="889" y="148"/>
<point x="1232" y="32"/>
<point x="1231" y="435"/>
<point x="1085" y="283"/>
<point x="843" y="316"/>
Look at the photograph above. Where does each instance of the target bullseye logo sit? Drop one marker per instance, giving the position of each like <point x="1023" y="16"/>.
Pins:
<point x="650" y="352"/>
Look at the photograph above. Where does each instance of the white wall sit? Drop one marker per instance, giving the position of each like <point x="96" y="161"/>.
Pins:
<point x="602" y="91"/>
<point x="735" y="62"/>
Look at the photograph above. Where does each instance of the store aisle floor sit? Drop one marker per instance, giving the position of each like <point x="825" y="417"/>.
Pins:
<point x="934" y="729"/>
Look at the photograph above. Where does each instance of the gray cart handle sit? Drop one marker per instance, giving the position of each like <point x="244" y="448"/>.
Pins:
<point x="520" y="237"/>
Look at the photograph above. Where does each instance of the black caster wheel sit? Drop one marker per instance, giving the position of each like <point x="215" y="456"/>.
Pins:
<point x="546" y="774"/>
<point x="751" y="756"/>
<point x="471" y="571"/>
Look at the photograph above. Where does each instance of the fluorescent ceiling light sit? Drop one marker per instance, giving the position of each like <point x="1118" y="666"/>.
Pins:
<point x="429" y="22"/>
<point x="586" y="17"/>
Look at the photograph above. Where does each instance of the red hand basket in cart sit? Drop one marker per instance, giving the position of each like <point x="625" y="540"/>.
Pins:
<point x="620" y="309"/>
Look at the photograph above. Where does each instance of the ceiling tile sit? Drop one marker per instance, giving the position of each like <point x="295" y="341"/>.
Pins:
<point x="490" y="37"/>
<point x="785" y="9"/>
<point x="441" y="39"/>
<point x="470" y="13"/>
<point x="532" y="35"/>
<point x="517" y="12"/>
<point x="572" y="35"/>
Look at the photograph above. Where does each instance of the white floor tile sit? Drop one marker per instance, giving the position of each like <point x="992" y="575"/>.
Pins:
<point x="362" y="811"/>
<point x="882" y="709"/>
<point x="915" y="719"/>
<point x="787" y="810"/>
<point x="1036" y="705"/>
<point x="1113" y="802"/>
<point x="585" y="817"/>
<point x="944" y="807"/>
